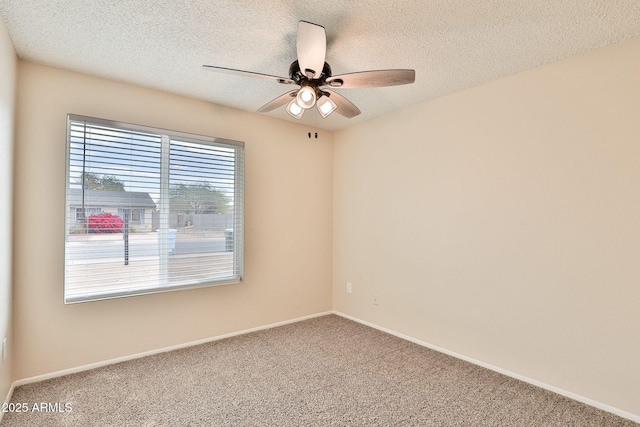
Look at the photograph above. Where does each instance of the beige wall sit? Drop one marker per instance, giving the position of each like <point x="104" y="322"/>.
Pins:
<point x="288" y="226"/>
<point x="503" y="223"/>
<point x="8" y="61"/>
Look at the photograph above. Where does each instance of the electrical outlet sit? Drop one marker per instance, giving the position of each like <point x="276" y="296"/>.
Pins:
<point x="349" y="287"/>
<point x="375" y="299"/>
<point x="4" y="349"/>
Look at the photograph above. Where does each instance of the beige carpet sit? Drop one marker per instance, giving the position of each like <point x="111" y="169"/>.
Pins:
<point x="327" y="371"/>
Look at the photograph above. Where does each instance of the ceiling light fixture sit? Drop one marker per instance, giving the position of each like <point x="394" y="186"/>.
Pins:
<point x="326" y="106"/>
<point x="295" y="110"/>
<point x="306" y="97"/>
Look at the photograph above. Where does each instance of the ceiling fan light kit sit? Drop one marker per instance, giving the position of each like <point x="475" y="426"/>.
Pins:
<point x="295" y="110"/>
<point x="306" y="97"/>
<point x="326" y="106"/>
<point x="313" y="75"/>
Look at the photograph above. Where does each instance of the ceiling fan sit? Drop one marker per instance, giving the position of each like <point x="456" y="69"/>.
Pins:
<point x="313" y="75"/>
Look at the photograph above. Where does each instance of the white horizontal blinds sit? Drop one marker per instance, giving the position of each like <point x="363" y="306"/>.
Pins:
<point x="202" y="182"/>
<point x="114" y="179"/>
<point x="149" y="211"/>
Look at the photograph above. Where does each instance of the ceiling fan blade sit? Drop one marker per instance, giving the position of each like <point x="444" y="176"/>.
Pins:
<point x="311" y="44"/>
<point x="344" y="106"/>
<point x="278" y="102"/>
<point x="379" y="78"/>
<point x="283" y="80"/>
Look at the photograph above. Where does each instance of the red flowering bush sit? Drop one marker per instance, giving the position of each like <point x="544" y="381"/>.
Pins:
<point x="105" y="223"/>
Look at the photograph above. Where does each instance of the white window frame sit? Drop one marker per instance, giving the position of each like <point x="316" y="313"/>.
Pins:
<point x="238" y="209"/>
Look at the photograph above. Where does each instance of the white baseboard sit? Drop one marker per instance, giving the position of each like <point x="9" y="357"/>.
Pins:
<point x="90" y="366"/>
<point x="570" y="395"/>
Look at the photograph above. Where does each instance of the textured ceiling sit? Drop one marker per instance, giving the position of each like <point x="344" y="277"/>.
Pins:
<point x="452" y="44"/>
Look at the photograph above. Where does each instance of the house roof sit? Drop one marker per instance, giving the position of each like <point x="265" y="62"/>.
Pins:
<point x="103" y="198"/>
<point x="452" y="45"/>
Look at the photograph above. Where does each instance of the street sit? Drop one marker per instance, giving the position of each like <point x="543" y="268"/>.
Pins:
<point x="148" y="247"/>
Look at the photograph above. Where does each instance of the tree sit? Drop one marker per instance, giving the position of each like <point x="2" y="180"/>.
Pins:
<point x="94" y="181"/>
<point x="197" y="199"/>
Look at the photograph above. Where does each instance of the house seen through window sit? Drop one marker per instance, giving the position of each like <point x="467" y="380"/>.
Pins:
<point x="150" y="210"/>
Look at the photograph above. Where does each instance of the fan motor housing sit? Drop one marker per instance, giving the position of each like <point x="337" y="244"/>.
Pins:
<point x="297" y="76"/>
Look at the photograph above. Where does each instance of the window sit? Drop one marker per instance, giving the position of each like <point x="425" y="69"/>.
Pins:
<point x="136" y="216"/>
<point x="81" y="213"/>
<point x="150" y="210"/>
